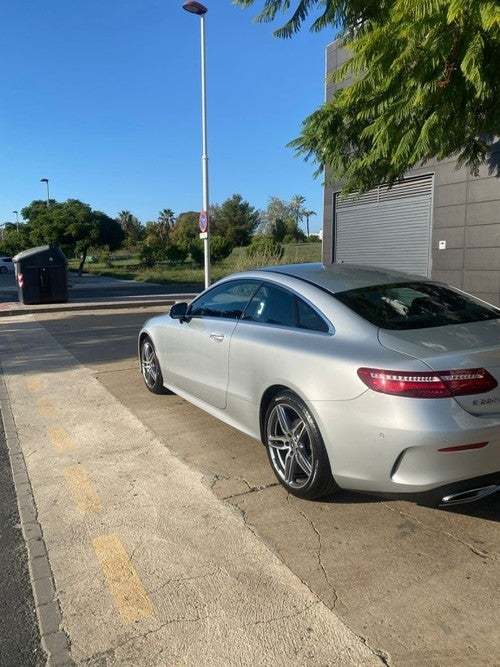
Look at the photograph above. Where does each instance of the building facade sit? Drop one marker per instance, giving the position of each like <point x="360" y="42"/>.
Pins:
<point x="439" y="221"/>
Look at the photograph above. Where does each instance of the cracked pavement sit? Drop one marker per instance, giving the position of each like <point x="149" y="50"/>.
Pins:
<point x="410" y="585"/>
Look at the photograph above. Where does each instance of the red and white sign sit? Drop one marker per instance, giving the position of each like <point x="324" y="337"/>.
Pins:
<point x="203" y="222"/>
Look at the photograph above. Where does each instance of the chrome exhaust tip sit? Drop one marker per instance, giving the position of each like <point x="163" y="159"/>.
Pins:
<point x="470" y="495"/>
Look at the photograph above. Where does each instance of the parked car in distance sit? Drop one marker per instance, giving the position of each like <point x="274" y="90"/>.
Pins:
<point x="353" y="377"/>
<point x="6" y="265"/>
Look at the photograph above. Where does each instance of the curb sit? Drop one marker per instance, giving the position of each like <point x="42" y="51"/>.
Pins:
<point x="14" y="308"/>
<point x="54" y="640"/>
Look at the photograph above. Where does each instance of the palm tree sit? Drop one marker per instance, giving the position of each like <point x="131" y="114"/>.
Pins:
<point x="124" y="218"/>
<point x="307" y="215"/>
<point x="297" y="208"/>
<point x="131" y="226"/>
<point x="166" y="220"/>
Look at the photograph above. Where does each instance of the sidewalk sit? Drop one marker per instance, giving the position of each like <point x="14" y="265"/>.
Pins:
<point x="172" y="293"/>
<point x="133" y="559"/>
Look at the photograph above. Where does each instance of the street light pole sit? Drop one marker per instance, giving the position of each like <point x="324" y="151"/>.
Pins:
<point x="46" y="181"/>
<point x="17" y="221"/>
<point x="200" y="10"/>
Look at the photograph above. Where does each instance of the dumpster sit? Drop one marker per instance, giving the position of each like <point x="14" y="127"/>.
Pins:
<point x="41" y="275"/>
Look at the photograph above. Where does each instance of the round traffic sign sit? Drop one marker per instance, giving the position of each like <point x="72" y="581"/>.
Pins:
<point x="203" y="222"/>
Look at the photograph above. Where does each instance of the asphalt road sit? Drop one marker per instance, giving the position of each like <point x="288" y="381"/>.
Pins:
<point x="19" y="635"/>
<point x="96" y="288"/>
<point x="420" y="584"/>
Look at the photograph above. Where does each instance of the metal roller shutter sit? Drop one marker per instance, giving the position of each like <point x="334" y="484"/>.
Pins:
<point x="385" y="227"/>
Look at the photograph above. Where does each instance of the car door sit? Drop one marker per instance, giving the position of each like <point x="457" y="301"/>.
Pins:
<point x="197" y="351"/>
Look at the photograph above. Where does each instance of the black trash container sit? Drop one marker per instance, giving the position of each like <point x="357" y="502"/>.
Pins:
<point x="42" y="275"/>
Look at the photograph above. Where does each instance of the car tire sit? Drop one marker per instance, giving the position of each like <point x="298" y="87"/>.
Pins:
<point x="3" y="269"/>
<point x="150" y="367"/>
<point x="295" y="448"/>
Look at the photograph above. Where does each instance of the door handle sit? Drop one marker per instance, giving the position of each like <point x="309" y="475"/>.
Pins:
<point x="217" y="337"/>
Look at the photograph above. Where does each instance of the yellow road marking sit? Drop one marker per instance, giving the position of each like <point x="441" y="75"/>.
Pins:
<point x="34" y="384"/>
<point x="45" y="408"/>
<point x="60" y="438"/>
<point x="82" y="489"/>
<point x="129" y="595"/>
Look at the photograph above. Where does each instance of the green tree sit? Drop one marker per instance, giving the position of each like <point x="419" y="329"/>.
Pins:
<point x="73" y="226"/>
<point x="166" y="219"/>
<point x="14" y="238"/>
<point x="307" y="215"/>
<point x="235" y="220"/>
<point x="279" y="219"/>
<point x="176" y="254"/>
<point x="422" y="82"/>
<point x="154" y="247"/>
<point x="278" y="230"/>
<point x="186" y="229"/>
<point x="131" y="226"/>
<point x="297" y="208"/>
<point x="220" y="248"/>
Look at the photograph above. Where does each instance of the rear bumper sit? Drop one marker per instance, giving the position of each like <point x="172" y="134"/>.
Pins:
<point x="388" y="445"/>
<point x="449" y="495"/>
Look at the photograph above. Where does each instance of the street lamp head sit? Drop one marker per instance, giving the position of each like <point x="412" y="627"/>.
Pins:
<point x="44" y="180"/>
<point x="194" y="7"/>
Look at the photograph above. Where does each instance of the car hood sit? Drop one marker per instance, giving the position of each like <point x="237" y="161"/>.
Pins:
<point x="475" y="345"/>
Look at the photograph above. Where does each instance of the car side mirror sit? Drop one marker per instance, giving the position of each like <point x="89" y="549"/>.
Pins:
<point x="179" y="311"/>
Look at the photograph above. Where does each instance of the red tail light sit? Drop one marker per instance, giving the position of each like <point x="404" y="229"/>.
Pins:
<point x="438" y="384"/>
<point x="463" y="448"/>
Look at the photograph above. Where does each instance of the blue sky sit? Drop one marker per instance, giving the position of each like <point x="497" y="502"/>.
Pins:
<point x="103" y="99"/>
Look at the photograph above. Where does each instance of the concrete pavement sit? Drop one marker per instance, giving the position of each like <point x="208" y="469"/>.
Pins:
<point x="133" y="560"/>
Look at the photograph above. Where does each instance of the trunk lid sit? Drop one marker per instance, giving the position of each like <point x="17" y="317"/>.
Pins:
<point x="455" y="347"/>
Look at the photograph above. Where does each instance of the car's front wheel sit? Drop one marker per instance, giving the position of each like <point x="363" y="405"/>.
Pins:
<point x="295" y="448"/>
<point x="150" y="367"/>
<point x="3" y="269"/>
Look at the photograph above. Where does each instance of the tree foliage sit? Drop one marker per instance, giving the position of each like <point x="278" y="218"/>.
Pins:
<point x="132" y="228"/>
<point x="348" y="13"/>
<point x="185" y="230"/>
<point x="15" y="237"/>
<point x="166" y="219"/>
<point x="422" y="82"/>
<point x="73" y="226"/>
<point x="280" y="220"/>
<point x="235" y="220"/>
<point x="264" y="250"/>
<point x="220" y="248"/>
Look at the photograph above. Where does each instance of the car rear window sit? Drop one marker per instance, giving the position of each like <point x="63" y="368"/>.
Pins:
<point x="416" y="305"/>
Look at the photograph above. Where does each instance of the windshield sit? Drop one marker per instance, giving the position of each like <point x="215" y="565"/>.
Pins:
<point x="416" y="305"/>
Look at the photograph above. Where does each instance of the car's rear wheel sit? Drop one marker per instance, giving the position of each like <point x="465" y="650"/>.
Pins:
<point x="295" y="448"/>
<point x="150" y="367"/>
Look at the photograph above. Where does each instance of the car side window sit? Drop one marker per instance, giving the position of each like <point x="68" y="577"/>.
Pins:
<point x="308" y="318"/>
<point x="273" y="305"/>
<point x="227" y="300"/>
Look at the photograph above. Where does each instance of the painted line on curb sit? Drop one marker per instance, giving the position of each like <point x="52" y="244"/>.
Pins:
<point x="128" y="593"/>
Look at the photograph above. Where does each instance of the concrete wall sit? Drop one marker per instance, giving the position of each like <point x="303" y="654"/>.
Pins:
<point x="466" y="215"/>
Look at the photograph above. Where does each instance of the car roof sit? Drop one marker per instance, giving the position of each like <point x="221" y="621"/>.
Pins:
<point x="342" y="277"/>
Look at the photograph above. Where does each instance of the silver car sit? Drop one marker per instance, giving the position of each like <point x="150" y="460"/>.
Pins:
<point x="353" y="377"/>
